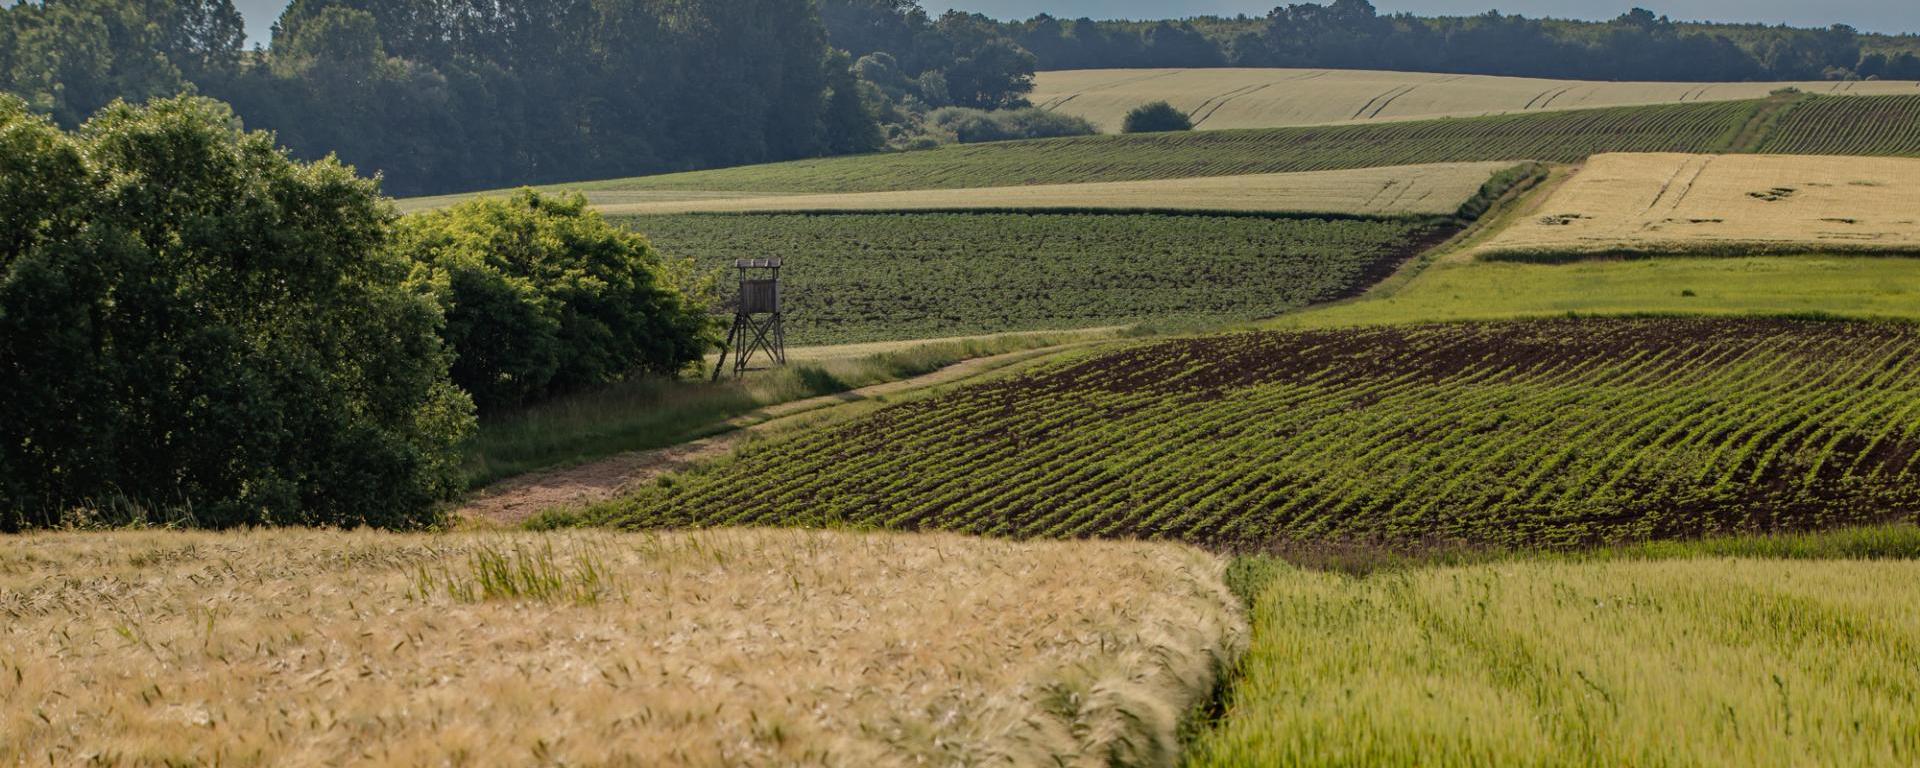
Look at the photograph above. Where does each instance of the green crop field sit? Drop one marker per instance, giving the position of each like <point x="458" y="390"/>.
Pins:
<point x="1854" y="286"/>
<point x="1558" y="136"/>
<point x="1556" y="433"/>
<point x="1701" y="662"/>
<point x="1860" y="125"/>
<point x="1863" y="125"/>
<point x="871" y="277"/>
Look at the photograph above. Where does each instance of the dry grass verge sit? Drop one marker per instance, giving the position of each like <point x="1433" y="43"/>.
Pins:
<point x="703" y="649"/>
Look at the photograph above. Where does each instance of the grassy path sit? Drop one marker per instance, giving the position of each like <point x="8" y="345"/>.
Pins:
<point x="515" y="500"/>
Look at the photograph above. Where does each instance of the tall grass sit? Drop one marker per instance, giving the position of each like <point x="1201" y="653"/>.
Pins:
<point x="1698" y="661"/>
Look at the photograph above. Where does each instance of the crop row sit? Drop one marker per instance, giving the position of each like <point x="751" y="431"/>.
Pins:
<point x="1853" y="125"/>
<point x="870" y="277"/>
<point x="1556" y="432"/>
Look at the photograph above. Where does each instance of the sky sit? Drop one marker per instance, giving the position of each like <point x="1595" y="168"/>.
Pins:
<point x="1892" y="16"/>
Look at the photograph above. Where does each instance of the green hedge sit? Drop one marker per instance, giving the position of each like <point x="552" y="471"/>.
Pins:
<point x="193" y="325"/>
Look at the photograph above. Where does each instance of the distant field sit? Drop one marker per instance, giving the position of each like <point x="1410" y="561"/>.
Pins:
<point x="721" y="648"/>
<point x="875" y="277"/>
<point x="1812" y="125"/>
<point x="1856" y="286"/>
<point x="1555" y="137"/>
<point x="1879" y="125"/>
<point x="1408" y="190"/>
<point x="1550" y="433"/>
<point x="1276" y="98"/>
<point x="1723" y="205"/>
<point x="1699" y="662"/>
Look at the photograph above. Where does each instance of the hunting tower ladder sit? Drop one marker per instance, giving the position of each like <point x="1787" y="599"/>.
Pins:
<point x="759" y="326"/>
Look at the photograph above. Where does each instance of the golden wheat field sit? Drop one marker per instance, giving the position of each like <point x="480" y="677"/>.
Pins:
<point x="1436" y="189"/>
<point x="1275" y="98"/>
<point x="1732" y="204"/>
<point x="705" y="649"/>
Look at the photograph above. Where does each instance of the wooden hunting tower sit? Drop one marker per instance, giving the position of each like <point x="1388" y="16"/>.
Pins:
<point x="758" y="323"/>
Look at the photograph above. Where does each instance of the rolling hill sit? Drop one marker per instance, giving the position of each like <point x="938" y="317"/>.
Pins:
<point x="1537" y="433"/>
<point x="1225" y="99"/>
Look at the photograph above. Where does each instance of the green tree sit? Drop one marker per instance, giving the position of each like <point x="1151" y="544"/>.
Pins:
<point x="542" y="296"/>
<point x="192" y="322"/>
<point x="1157" y="117"/>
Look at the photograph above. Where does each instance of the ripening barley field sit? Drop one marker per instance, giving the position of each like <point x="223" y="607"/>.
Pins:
<point x="1536" y="433"/>
<point x="707" y="649"/>
<point x="874" y="277"/>
<point x="1430" y="190"/>
<point x="1695" y="662"/>
<point x="1276" y="98"/>
<point x="1736" y="205"/>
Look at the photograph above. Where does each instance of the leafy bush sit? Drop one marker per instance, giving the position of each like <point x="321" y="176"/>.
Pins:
<point x="1158" y="117"/>
<point x="543" y="296"/>
<point x="972" y="126"/>
<point x="193" y="323"/>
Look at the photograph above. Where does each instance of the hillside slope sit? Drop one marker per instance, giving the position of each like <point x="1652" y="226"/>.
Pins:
<point x="1220" y="99"/>
<point x="1556" y="433"/>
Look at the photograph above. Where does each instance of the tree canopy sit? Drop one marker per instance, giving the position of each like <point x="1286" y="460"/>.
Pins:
<point x="542" y="296"/>
<point x="193" y="322"/>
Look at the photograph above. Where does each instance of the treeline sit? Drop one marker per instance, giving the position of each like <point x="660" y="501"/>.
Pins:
<point x="197" y="329"/>
<point x="446" y="95"/>
<point x="1352" y="34"/>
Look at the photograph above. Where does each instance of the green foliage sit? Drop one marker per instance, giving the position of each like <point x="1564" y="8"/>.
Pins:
<point x="1560" y="433"/>
<point x="542" y="295"/>
<point x="1158" y="117"/>
<point x="466" y="94"/>
<point x="193" y="324"/>
<point x="871" y="277"/>
<point x="973" y="126"/>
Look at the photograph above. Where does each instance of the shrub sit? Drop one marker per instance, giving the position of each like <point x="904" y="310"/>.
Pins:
<point x="1158" y="117"/>
<point x="543" y="296"/>
<point x="193" y="323"/>
<point x="972" y="126"/>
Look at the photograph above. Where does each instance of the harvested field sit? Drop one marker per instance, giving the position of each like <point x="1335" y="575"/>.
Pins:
<point x="1432" y="190"/>
<point x="707" y="649"/>
<point x="1540" y="433"/>
<point x="1723" y="205"/>
<point x="1277" y="98"/>
<point x="1699" y="662"/>
<point x="876" y="277"/>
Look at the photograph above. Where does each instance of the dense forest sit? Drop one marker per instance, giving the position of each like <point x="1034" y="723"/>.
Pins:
<point x="455" y="95"/>
<point x="443" y="96"/>
<point x="1352" y="34"/>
